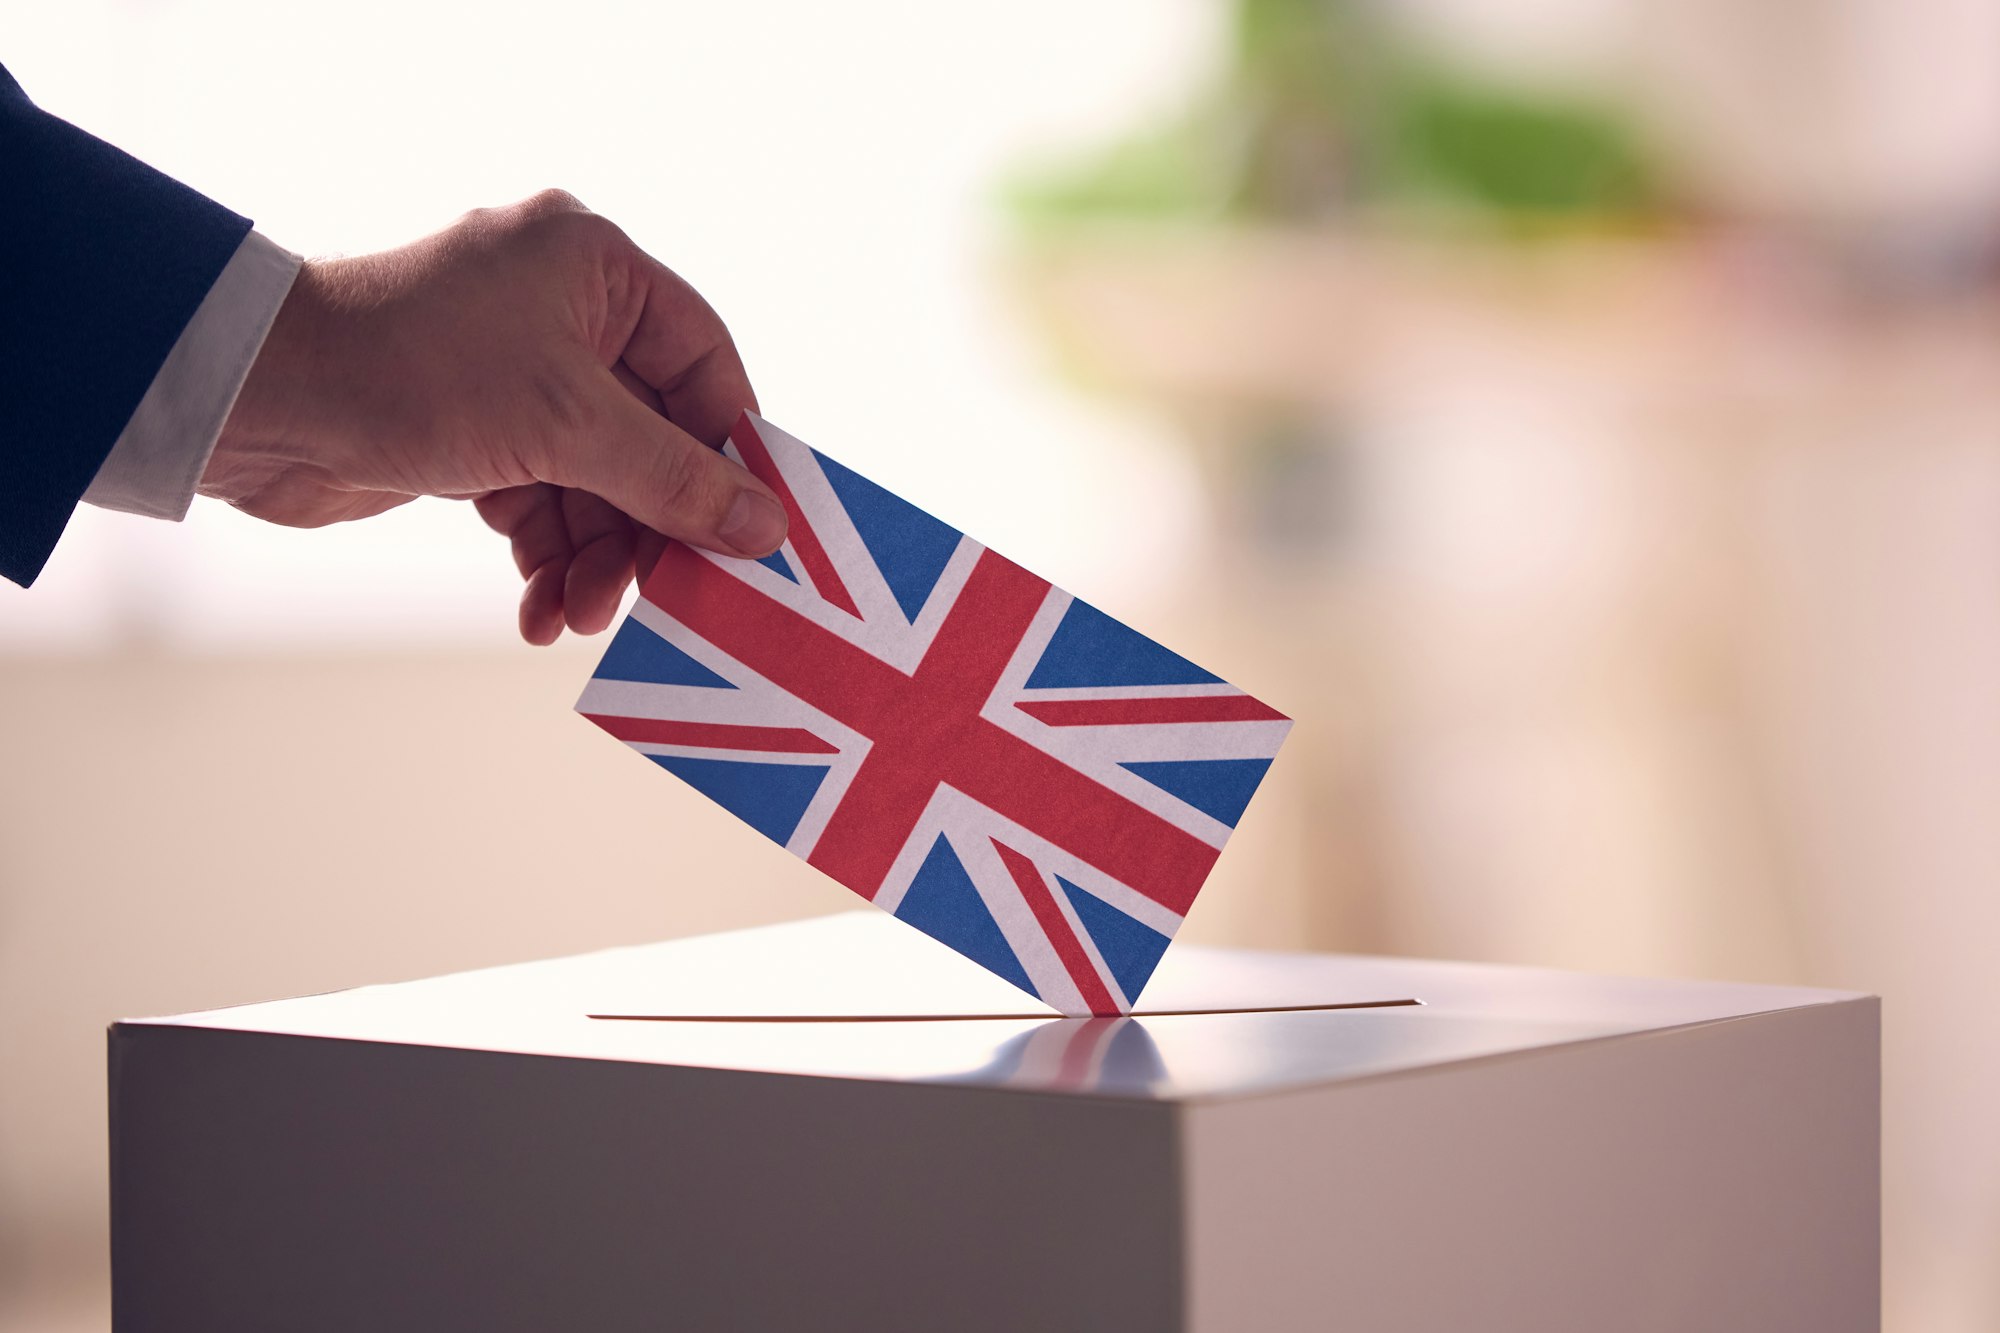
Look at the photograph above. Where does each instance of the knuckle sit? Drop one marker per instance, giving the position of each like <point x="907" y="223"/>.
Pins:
<point x="550" y="201"/>
<point x="544" y="213"/>
<point x="553" y="216"/>
<point x="568" y="230"/>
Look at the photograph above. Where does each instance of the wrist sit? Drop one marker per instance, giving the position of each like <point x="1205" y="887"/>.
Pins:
<point x="274" y="414"/>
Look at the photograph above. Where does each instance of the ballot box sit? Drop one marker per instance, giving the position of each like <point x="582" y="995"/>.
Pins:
<point x="838" y="1124"/>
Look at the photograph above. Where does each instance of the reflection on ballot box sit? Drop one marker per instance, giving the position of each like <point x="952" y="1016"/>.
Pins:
<point x="1074" y="1055"/>
<point x="840" y="1124"/>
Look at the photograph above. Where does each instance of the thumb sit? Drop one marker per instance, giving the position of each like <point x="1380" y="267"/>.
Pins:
<point x="671" y="482"/>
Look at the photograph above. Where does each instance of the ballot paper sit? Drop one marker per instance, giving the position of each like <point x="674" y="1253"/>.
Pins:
<point x="984" y="756"/>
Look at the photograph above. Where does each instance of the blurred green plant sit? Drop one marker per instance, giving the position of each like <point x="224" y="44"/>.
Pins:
<point x="1324" y="109"/>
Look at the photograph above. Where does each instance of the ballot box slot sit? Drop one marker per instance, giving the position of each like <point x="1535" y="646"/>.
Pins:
<point x="990" y="1018"/>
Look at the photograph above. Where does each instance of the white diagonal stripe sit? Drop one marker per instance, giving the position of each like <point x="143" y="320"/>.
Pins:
<point x="1017" y="920"/>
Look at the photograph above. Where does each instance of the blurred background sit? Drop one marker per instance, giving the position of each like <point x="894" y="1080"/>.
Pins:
<point x="1583" y="415"/>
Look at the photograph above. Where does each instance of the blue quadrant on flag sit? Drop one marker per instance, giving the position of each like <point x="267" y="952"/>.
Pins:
<point x="995" y="762"/>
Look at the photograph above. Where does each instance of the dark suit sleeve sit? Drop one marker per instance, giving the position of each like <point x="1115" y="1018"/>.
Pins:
<point x="103" y="261"/>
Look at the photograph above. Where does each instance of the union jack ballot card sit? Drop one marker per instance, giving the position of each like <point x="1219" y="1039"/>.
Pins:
<point x="995" y="762"/>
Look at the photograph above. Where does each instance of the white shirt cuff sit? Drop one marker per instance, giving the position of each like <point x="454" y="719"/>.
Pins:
<point x="160" y="456"/>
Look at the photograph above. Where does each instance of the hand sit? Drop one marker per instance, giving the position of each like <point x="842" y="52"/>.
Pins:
<point x="531" y="359"/>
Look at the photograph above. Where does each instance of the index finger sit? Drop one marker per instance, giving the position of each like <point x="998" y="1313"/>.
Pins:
<point x="682" y="349"/>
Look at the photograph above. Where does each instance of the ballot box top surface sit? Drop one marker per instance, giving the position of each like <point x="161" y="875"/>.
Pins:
<point x="862" y="996"/>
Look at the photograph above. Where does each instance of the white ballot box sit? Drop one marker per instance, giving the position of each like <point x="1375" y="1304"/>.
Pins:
<point x="838" y="1124"/>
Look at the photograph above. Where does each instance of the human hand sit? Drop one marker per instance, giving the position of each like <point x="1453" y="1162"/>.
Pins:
<point x="529" y="358"/>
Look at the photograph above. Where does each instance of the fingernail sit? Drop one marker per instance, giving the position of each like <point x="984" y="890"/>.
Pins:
<point x="755" y="525"/>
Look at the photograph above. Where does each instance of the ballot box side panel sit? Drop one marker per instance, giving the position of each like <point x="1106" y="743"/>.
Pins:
<point x="1723" y="1177"/>
<point x="266" y="1182"/>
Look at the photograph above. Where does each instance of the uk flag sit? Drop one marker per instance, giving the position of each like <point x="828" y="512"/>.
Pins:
<point x="997" y="763"/>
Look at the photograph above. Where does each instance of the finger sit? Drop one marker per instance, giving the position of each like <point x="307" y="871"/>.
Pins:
<point x="661" y="476"/>
<point x="637" y="387"/>
<point x="681" y="348"/>
<point x="601" y="568"/>
<point x="503" y="509"/>
<point x="541" y="603"/>
<point x="710" y="395"/>
<point x="531" y="518"/>
<point x="596" y="583"/>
